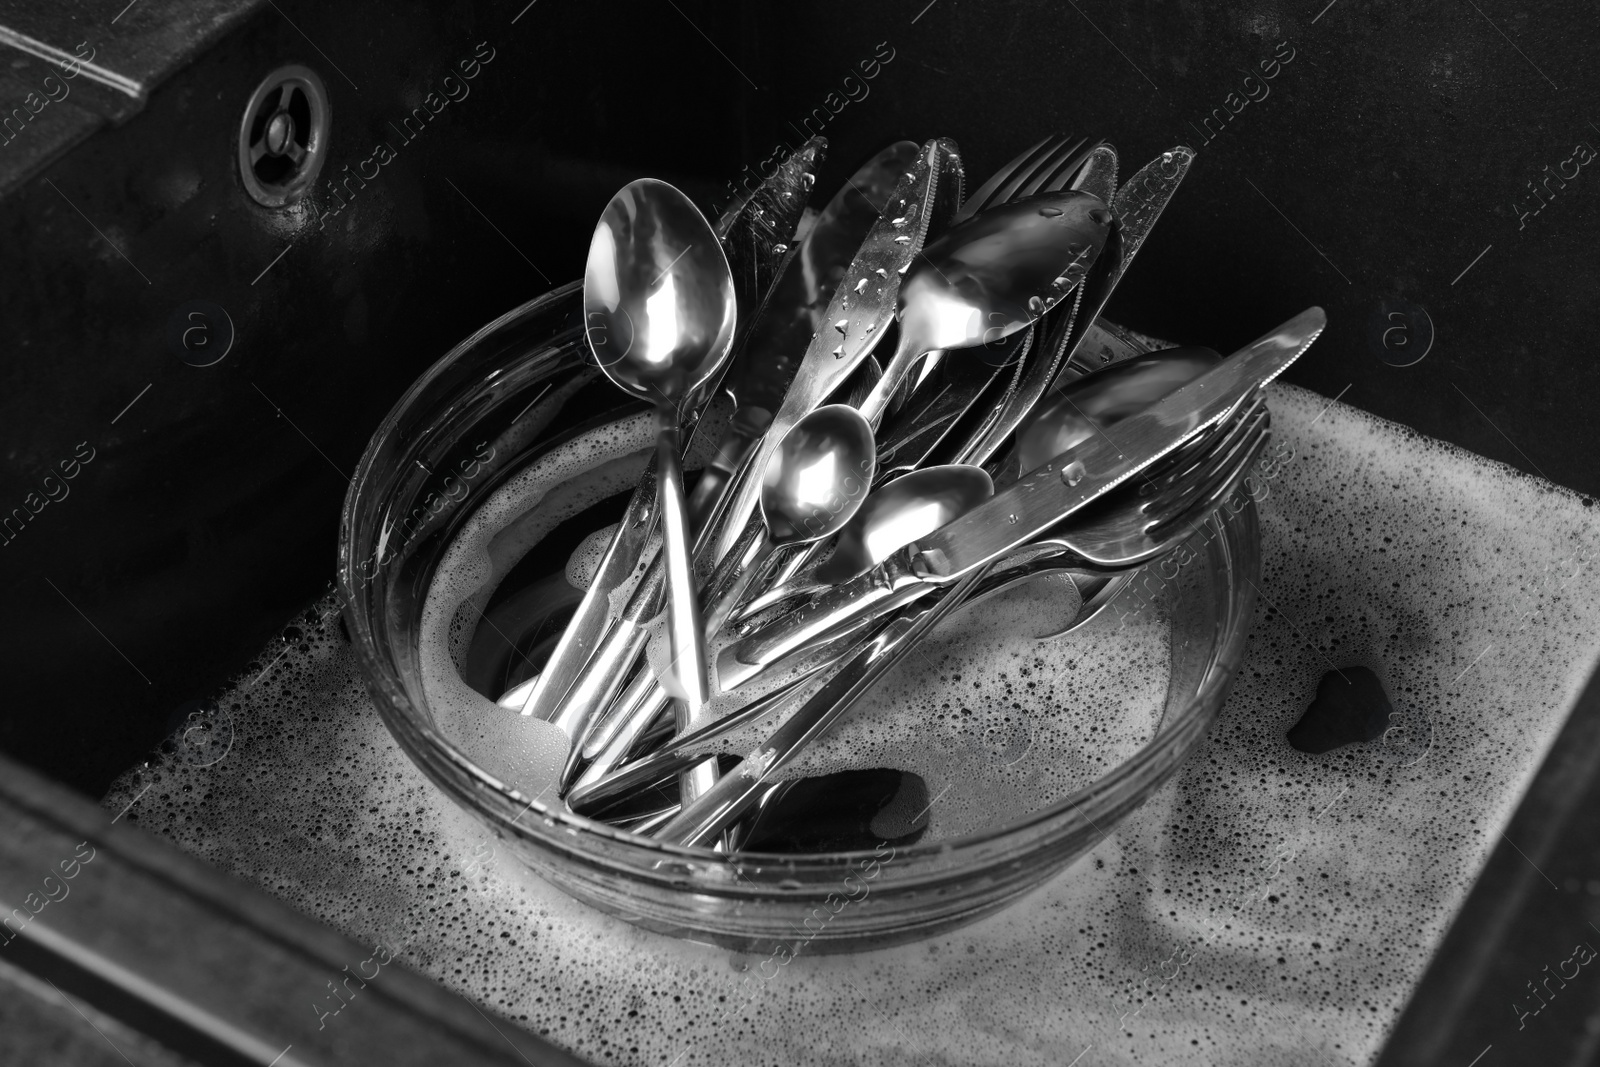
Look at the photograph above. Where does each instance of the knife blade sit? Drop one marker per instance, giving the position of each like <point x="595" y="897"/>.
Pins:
<point x="1035" y="503"/>
<point x="794" y="311"/>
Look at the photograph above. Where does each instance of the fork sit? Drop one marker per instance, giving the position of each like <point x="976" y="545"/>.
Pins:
<point x="1025" y="175"/>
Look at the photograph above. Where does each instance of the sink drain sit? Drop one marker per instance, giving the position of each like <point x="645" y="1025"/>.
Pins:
<point x="284" y="136"/>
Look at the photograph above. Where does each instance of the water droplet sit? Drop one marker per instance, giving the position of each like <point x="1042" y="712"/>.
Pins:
<point x="903" y="268"/>
<point x="871" y="326"/>
<point x="1073" y="473"/>
<point x="880" y="272"/>
<point x="1166" y="157"/>
<point x="902" y="240"/>
<point x="838" y="353"/>
<point x="861" y="286"/>
<point x="1012" y="519"/>
<point x="901" y="221"/>
<point x="1036" y="305"/>
<point x="780" y="249"/>
<point x="808" y="179"/>
<point x="1050" y="212"/>
<point x="841" y="325"/>
<point x="1101" y="215"/>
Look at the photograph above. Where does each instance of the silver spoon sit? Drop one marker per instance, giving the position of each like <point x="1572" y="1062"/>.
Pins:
<point x="659" y="311"/>
<point x="991" y="276"/>
<point x="892" y="517"/>
<point x="812" y="486"/>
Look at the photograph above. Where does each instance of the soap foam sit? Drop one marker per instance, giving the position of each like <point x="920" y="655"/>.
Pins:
<point x="584" y="563"/>
<point x="1265" y="907"/>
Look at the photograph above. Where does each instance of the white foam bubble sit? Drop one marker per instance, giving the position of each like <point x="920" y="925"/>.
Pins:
<point x="584" y="563"/>
<point x="1264" y="907"/>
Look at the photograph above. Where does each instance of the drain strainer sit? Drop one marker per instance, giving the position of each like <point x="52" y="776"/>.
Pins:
<point x="283" y="138"/>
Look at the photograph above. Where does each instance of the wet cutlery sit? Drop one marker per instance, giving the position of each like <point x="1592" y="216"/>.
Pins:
<point x="1040" y="500"/>
<point x="860" y="309"/>
<point x="991" y="276"/>
<point x="891" y="517"/>
<point x="659" y="312"/>
<point x="794" y="311"/>
<point x="1137" y="205"/>
<point x="813" y="484"/>
<point x="748" y="228"/>
<point x="856" y="319"/>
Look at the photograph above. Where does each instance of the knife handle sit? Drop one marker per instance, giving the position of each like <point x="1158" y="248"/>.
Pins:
<point x="886" y="587"/>
<point x="591" y="621"/>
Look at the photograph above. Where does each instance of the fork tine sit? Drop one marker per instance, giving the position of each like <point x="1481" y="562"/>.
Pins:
<point x="984" y="196"/>
<point x="1069" y="172"/>
<point x="1169" y="493"/>
<point x="1041" y="164"/>
<point x="1222" y="488"/>
<point x="1221" y="468"/>
<point x="1053" y="169"/>
<point x="1186" y="464"/>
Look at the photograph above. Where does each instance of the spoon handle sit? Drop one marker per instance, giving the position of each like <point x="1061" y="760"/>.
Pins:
<point x="645" y="698"/>
<point x="702" y="819"/>
<point x="683" y="606"/>
<point x="906" y="354"/>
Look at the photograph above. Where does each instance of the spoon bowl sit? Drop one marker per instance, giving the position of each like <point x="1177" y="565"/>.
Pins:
<point x="907" y="508"/>
<point x="992" y="275"/>
<point x="818" y="479"/>
<point x="999" y="271"/>
<point x="658" y="299"/>
<point x="890" y="518"/>
<point x="659" y="311"/>
<point x="1097" y="400"/>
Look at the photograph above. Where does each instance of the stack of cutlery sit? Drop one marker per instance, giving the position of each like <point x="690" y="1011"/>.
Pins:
<point x="928" y="408"/>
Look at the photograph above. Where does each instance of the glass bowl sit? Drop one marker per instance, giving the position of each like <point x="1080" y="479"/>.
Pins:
<point x="522" y="386"/>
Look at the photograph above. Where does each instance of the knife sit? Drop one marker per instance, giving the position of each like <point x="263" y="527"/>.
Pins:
<point x="859" y="315"/>
<point x="794" y="312"/>
<point x="1035" y="503"/>
<point x="749" y="228"/>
